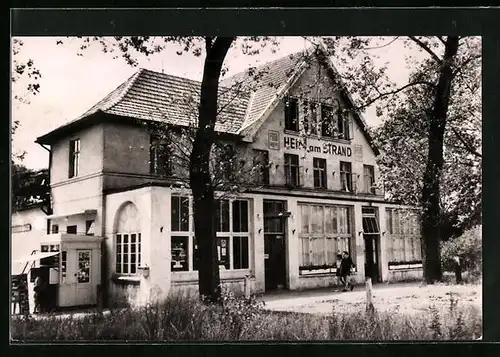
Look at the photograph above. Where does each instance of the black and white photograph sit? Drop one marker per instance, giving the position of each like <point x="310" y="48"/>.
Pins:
<point x="247" y="188"/>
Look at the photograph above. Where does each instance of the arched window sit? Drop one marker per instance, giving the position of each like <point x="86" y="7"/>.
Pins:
<point x="128" y="239"/>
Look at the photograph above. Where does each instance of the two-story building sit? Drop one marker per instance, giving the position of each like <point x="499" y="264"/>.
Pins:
<point x="315" y="191"/>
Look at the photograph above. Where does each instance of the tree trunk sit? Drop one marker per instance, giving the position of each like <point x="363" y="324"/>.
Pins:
<point x="430" y="194"/>
<point x="199" y="171"/>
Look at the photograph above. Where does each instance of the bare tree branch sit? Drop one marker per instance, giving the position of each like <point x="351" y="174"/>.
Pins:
<point x="426" y="49"/>
<point x="467" y="145"/>
<point x="440" y="38"/>
<point x="385" y="94"/>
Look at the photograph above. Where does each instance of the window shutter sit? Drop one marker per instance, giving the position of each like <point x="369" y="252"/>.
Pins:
<point x="350" y="128"/>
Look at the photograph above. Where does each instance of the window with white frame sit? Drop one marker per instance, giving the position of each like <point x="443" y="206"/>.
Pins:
<point x="403" y="236"/>
<point x="128" y="240"/>
<point x="232" y="224"/>
<point x="325" y="231"/>
<point x="74" y="158"/>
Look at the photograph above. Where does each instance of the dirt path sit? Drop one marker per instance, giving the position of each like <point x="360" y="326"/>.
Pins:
<point x="405" y="298"/>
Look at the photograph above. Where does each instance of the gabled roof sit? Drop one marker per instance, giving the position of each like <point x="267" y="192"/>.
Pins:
<point x="245" y="99"/>
<point x="153" y="96"/>
<point x="275" y="78"/>
<point x="265" y="83"/>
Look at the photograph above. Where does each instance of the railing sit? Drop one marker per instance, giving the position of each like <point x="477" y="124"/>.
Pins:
<point x="28" y="262"/>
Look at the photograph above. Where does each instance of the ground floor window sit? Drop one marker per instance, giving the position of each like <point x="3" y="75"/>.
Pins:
<point x="232" y="224"/>
<point x="403" y="236"/>
<point x="325" y="231"/>
<point x="127" y="240"/>
<point x="128" y="253"/>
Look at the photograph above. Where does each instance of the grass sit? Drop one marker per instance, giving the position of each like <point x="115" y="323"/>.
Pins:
<point x="185" y="318"/>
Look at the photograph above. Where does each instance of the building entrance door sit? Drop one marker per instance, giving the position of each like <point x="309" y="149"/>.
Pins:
<point x="84" y="278"/>
<point x="371" y="257"/>
<point x="371" y="235"/>
<point x="275" y="245"/>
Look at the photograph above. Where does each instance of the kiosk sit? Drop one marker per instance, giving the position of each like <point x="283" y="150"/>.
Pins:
<point x="70" y="268"/>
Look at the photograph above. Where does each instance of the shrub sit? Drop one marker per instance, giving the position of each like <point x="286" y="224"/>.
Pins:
<point x="185" y="318"/>
<point x="468" y="247"/>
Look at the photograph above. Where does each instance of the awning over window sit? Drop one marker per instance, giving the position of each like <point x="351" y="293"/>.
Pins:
<point x="370" y="225"/>
<point x="37" y="256"/>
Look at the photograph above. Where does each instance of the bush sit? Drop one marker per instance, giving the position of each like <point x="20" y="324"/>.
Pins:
<point x="468" y="247"/>
<point x="185" y="318"/>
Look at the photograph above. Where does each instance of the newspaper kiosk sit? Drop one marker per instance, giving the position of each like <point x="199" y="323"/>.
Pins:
<point x="70" y="267"/>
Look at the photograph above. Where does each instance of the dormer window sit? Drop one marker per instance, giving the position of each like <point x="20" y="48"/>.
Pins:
<point x="344" y="131"/>
<point x="292" y="114"/>
<point x="74" y="157"/>
<point x="327" y="121"/>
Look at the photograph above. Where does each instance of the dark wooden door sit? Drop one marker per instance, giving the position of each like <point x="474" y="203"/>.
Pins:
<point x="274" y="261"/>
<point x="371" y="257"/>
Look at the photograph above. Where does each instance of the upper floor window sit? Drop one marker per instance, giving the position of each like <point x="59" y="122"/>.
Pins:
<point x="74" y="157"/>
<point x="310" y="118"/>
<point x="261" y="166"/>
<point x="346" y="176"/>
<point x="71" y="229"/>
<point x="292" y="114"/>
<point x="292" y="170"/>
<point x="319" y="167"/>
<point x="369" y="178"/>
<point x="343" y="127"/>
<point x="327" y="121"/>
<point x="160" y="162"/>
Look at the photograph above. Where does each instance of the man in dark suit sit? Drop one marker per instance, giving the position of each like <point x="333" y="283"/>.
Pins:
<point x="345" y="270"/>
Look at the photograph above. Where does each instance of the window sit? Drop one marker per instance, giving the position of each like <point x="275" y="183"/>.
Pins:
<point x="179" y="247"/>
<point x="232" y="235"/>
<point x="55" y="228"/>
<point x="346" y="182"/>
<point x="325" y="231"/>
<point x="74" y="157"/>
<point x="292" y="170"/>
<point x="128" y="240"/>
<point x="227" y="160"/>
<point x="369" y="178"/>
<point x="160" y="158"/>
<point x="327" y="121"/>
<point x="128" y="253"/>
<point x="179" y="214"/>
<point x="222" y="215"/>
<point x="64" y="265"/>
<point x="89" y="227"/>
<point x="310" y="118"/>
<point x="403" y="236"/>
<point x="71" y="229"/>
<point x="343" y="127"/>
<point x="261" y="166"/>
<point x="319" y="166"/>
<point x="291" y="114"/>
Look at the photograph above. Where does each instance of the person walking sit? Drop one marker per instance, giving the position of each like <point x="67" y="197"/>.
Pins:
<point x="337" y="272"/>
<point x="345" y="271"/>
<point x="38" y="294"/>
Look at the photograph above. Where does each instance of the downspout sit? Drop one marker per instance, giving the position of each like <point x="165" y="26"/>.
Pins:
<point x="49" y="204"/>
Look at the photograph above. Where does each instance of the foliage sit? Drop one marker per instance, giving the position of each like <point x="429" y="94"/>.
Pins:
<point x="184" y="318"/>
<point x="24" y="75"/>
<point x="468" y="247"/>
<point x="29" y="186"/>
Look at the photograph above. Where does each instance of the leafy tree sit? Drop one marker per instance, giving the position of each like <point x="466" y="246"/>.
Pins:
<point x="435" y="95"/>
<point x="201" y="181"/>
<point x="29" y="187"/>
<point x="25" y="75"/>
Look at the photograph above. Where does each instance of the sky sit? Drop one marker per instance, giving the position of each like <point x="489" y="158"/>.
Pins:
<point x="71" y="84"/>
